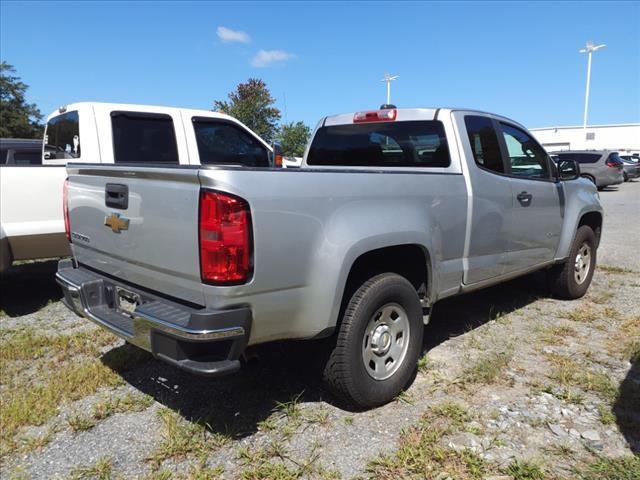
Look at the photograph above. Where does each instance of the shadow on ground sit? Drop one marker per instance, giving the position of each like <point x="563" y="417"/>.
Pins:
<point x="236" y="405"/>
<point x="627" y="406"/>
<point x="27" y="287"/>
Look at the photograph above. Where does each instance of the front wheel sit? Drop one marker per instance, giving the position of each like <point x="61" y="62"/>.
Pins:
<point x="378" y="342"/>
<point x="572" y="279"/>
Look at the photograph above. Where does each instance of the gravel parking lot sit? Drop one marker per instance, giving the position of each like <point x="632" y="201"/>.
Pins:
<point x="513" y="384"/>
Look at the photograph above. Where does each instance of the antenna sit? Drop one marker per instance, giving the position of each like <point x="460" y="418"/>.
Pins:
<point x="389" y="78"/>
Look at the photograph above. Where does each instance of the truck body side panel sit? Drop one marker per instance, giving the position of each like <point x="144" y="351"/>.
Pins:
<point x="310" y="226"/>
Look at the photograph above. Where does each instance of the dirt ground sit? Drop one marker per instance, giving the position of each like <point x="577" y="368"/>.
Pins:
<point x="513" y="384"/>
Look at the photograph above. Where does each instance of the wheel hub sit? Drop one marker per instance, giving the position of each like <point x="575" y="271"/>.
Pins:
<point x="381" y="340"/>
<point x="386" y="341"/>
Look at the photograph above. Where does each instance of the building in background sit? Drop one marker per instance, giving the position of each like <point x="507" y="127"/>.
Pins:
<point x="624" y="138"/>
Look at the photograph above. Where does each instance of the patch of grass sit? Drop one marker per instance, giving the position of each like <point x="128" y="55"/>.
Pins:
<point x="625" y="341"/>
<point x="273" y="463"/>
<point x="620" y="468"/>
<point x="424" y="364"/>
<point x="601" y="298"/>
<point x="606" y="415"/>
<point x="80" y="423"/>
<point x="27" y="344"/>
<point x="599" y="383"/>
<point x="421" y="453"/>
<point x="102" y="469"/>
<point x="127" y="403"/>
<point x="488" y="368"/>
<point x="35" y="404"/>
<point x="405" y="397"/>
<point x="181" y="438"/>
<point x="564" y="370"/>
<point x="556" y="334"/>
<point x="610" y="313"/>
<point x="583" y="314"/>
<point x="348" y="420"/>
<point x="525" y="470"/>
<point x="454" y="411"/>
<point x="614" y="269"/>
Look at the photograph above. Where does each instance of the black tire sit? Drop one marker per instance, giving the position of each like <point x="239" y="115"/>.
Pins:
<point x="345" y="373"/>
<point x="562" y="278"/>
<point x="625" y="176"/>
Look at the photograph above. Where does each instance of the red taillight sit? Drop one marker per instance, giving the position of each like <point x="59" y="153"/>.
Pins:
<point x="387" y="115"/>
<point x="65" y="209"/>
<point x="225" y="238"/>
<point x="613" y="164"/>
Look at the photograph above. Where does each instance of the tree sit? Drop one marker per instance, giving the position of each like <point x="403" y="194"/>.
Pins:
<point x="294" y="138"/>
<point x="18" y="118"/>
<point x="252" y="104"/>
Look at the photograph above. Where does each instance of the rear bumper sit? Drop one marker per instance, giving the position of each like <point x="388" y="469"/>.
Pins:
<point x="205" y="342"/>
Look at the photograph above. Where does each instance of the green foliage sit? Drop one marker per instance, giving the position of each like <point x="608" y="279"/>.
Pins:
<point x="18" y="119"/>
<point x="252" y="104"/>
<point x="293" y="138"/>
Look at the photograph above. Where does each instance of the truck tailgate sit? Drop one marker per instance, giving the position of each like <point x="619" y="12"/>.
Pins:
<point x="138" y="224"/>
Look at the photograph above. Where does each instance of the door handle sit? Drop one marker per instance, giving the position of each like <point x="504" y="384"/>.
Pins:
<point x="524" y="198"/>
<point x="116" y="195"/>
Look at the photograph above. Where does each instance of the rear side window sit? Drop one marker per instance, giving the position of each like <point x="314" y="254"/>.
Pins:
<point x="143" y="138"/>
<point x="484" y="143"/>
<point x="62" y="137"/>
<point x="222" y="142"/>
<point x="381" y="144"/>
<point x="580" y="157"/>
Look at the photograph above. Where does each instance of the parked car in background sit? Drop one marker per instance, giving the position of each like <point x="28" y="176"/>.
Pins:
<point x="602" y="167"/>
<point x="33" y="172"/>
<point x="20" y="151"/>
<point x="392" y="210"/>
<point x="631" y="169"/>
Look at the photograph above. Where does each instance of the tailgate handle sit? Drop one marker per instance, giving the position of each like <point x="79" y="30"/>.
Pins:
<point x="116" y="195"/>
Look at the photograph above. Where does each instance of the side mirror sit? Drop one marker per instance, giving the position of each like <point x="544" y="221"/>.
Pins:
<point x="568" y="170"/>
<point x="277" y="154"/>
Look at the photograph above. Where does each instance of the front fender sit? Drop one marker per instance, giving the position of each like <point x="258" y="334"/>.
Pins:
<point x="581" y="197"/>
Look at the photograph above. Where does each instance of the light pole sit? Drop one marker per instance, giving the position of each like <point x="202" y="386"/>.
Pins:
<point x="389" y="78"/>
<point x="589" y="49"/>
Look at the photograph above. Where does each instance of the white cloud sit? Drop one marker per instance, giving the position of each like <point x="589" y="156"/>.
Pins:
<point x="264" y="58"/>
<point x="227" y="35"/>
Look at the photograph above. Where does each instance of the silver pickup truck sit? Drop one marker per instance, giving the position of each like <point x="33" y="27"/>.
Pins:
<point x="391" y="211"/>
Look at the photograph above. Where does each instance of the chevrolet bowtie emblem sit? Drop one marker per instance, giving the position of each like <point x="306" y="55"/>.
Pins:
<point x="116" y="222"/>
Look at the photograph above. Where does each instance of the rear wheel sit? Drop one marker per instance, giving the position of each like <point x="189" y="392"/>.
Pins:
<point x="378" y="342"/>
<point x="572" y="279"/>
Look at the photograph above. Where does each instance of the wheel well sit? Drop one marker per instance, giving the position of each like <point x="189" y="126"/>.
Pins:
<point x="409" y="261"/>
<point x="594" y="221"/>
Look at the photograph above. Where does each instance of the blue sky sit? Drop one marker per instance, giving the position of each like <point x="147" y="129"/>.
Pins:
<point x="517" y="59"/>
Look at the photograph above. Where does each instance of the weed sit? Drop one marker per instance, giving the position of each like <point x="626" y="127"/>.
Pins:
<point x="583" y="314"/>
<point x="606" y="415"/>
<point x="614" y="269"/>
<point x="525" y="470"/>
<point x="181" y="438"/>
<point x="348" y="420"/>
<point x="620" y="468"/>
<point x="488" y="367"/>
<point x="80" y="423"/>
<point x="102" y="469"/>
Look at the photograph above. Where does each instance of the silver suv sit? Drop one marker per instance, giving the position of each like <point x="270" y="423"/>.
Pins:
<point x="602" y="167"/>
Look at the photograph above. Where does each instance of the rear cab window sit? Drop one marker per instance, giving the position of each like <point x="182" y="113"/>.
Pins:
<point x="62" y="137"/>
<point x="381" y="144"/>
<point x="143" y="138"/>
